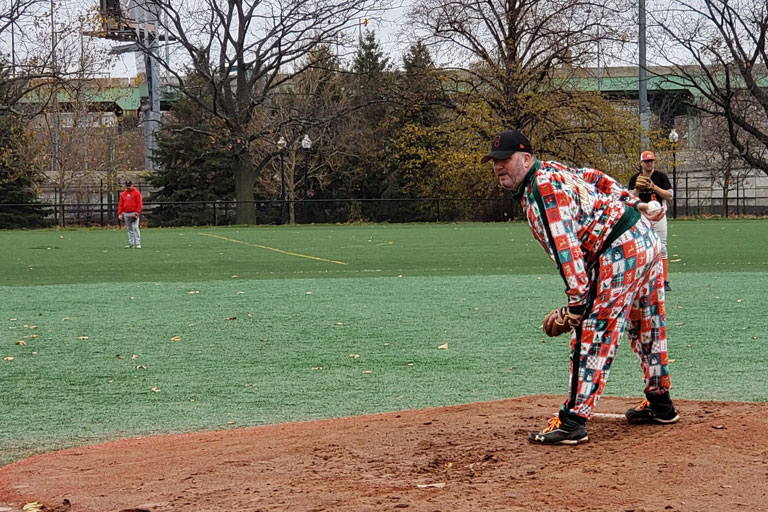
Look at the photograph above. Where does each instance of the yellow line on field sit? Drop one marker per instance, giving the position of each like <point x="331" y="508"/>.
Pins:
<point x="289" y="253"/>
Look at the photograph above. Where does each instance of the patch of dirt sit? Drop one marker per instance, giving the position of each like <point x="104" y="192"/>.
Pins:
<point x="465" y="457"/>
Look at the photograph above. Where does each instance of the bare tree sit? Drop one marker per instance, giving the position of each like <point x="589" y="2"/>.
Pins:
<point x="316" y="107"/>
<point x="725" y="170"/>
<point x="719" y="48"/>
<point x="246" y="51"/>
<point x="24" y="68"/>
<point x="514" y="58"/>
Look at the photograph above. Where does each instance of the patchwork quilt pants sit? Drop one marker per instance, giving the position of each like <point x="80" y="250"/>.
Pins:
<point x="627" y="290"/>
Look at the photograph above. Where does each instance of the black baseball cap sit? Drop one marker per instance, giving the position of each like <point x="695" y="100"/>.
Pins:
<point x="506" y="144"/>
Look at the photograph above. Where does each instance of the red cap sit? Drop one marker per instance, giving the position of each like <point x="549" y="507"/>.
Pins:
<point x="647" y="155"/>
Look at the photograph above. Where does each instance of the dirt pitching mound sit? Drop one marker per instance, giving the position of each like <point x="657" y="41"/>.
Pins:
<point x="466" y="457"/>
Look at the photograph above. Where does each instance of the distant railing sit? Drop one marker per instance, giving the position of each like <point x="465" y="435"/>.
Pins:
<point x="690" y="202"/>
<point x="319" y="211"/>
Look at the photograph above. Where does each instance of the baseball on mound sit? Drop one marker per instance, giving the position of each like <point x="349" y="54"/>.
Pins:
<point x="653" y="207"/>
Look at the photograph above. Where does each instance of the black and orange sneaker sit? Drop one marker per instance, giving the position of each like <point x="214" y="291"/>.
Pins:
<point x="560" y="432"/>
<point x="654" y="409"/>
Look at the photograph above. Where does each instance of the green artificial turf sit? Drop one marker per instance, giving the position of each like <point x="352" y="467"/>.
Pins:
<point x="228" y="327"/>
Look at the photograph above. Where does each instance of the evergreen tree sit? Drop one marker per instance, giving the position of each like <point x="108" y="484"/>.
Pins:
<point x="17" y="181"/>
<point x="195" y="167"/>
<point x="417" y="141"/>
<point x="369" y="125"/>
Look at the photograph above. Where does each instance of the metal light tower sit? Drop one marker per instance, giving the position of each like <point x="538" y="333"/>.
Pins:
<point x="137" y="22"/>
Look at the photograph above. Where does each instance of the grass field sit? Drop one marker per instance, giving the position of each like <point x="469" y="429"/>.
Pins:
<point x="218" y="328"/>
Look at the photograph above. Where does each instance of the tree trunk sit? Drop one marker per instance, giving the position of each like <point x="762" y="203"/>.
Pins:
<point x="245" y="177"/>
<point x="292" y="208"/>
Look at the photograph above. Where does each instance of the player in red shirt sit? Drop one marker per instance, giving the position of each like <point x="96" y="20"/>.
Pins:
<point x="129" y="209"/>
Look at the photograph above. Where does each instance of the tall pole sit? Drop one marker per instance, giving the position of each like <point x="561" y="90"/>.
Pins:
<point x="306" y="168"/>
<point x="152" y="119"/>
<point x="282" y="186"/>
<point x="645" y="124"/>
<point x="281" y="143"/>
<point x="673" y="138"/>
<point x="674" y="183"/>
<point x="306" y="143"/>
<point x="55" y="99"/>
<point x="13" y="39"/>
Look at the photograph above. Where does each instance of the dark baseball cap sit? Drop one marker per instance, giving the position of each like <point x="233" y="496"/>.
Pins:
<point x="506" y="144"/>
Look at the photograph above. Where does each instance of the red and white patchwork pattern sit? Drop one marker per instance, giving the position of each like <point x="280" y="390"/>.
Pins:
<point x="630" y="292"/>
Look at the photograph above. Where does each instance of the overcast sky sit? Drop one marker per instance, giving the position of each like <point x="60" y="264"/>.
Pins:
<point x="386" y="32"/>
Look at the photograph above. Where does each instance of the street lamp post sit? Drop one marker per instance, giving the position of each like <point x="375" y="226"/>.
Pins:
<point x="673" y="138"/>
<point x="306" y="143"/>
<point x="281" y="143"/>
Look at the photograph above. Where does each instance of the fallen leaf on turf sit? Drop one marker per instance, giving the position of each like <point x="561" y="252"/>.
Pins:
<point x="155" y="389"/>
<point x="66" y="319"/>
<point x="241" y="293"/>
<point x="134" y="356"/>
<point x="33" y="507"/>
<point x="22" y="343"/>
<point x="192" y="292"/>
<point x="317" y="368"/>
<point x="8" y="358"/>
<point x="367" y="372"/>
<point x="82" y="337"/>
<point x="675" y="261"/>
<point x="438" y="485"/>
<point x="354" y="356"/>
<point x="307" y="293"/>
<point x="231" y="318"/>
<point x="339" y="323"/>
<point x="176" y="338"/>
<point x="250" y="315"/>
<point x="671" y="360"/>
<point x="443" y="347"/>
<point x="739" y="300"/>
<point x="141" y="367"/>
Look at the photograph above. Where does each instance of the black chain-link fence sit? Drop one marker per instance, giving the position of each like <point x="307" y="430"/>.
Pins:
<point x="318" y="211"/>
<point x="332" y="211"/>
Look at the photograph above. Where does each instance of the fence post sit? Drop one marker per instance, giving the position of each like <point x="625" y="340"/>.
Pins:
<point x="438" y="209"/>
<point x="215" y="220"/>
